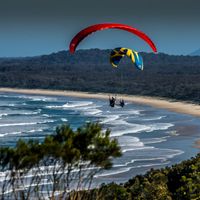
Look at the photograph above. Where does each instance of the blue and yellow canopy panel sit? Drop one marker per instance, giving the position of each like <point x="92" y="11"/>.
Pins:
<point x="118" y="53"/>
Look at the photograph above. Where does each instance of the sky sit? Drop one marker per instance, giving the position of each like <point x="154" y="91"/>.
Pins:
<point x="36" y="27"/>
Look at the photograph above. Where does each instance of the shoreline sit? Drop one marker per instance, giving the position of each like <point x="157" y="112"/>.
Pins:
<point x="168" y="104"/>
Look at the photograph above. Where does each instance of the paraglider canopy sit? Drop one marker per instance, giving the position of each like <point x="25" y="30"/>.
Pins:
<point x="118" y="53"/>
<point x="97" y="27"/>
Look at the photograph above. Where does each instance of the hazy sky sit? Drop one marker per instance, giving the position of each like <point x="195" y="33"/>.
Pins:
<point x="34" y="27"/>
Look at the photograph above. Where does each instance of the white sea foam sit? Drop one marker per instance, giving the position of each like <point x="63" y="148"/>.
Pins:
<point x="21" y="132"/>
<point x="92" y="112"/>
<point x="161" y="159"/>
<point x="64" y="119"/>
<point x="131" y="128"/>
<point x="90" y="106"/>
<point x="155" y="140"/>
<point x="109" y="119"/>
<point x="126" y="169"/>
<point x="11" y="133"/>
<point x="127" y="141"/>
<point x="119" y="121"/>
<point x="11" y="104"/>
<point x="159" y="126"/>
<point x="85" y="107"/>
<point x="33" y="131"/>
<point x="153" y="118"/>
<point x="136" y="148"/>
<point x="26" y="123"/>
<point x="173" y="133"/>
<point x="75" y="104"/>
<point x="37" y="98"/>
<point x="11" y="113"/>
<point x="89" y="110"/>
<point x="137" y="128"/>
<point x="132" y="112"/>
<point x="72" y="104"/>
<point x="29" y="113"/>
<point x="45" y="115"/>
<point x="114" y="172"/>
<point x="5" y="96"/>
<point x="175" y="153"/>
<point x="18" y="124"/>
<point x="3" y="114"/>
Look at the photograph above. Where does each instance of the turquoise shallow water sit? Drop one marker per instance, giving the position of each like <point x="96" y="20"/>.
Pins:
<point x="149" y="137"/>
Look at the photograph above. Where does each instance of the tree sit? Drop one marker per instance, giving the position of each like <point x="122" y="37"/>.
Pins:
<point x="62" y="164"/>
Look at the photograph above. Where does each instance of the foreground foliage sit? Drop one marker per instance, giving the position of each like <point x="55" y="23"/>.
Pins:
<point x="63" y="166"/>
<point x="179" y="182"/>
<point x="63" y="162"/>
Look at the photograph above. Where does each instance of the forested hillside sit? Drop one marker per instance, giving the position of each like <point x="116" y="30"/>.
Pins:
<point x="164" y="75"/>
<point x="179" y="182"/>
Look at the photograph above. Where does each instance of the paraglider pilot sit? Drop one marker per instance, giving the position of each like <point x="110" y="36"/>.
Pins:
<point x="122" y="103"/>
<point x="112" y="101"/>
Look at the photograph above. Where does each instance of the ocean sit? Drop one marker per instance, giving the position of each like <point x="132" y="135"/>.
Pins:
<point x="149" y="137"/>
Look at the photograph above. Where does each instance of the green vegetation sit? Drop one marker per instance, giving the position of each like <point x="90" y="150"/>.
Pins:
<point x="63" y="162"/>
<point x="63" y="166"/>
<point x="179" y="182"/>
<point x="175" y="77"/>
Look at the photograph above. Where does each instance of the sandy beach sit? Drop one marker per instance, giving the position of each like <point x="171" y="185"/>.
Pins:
<point x="176" y="106"/>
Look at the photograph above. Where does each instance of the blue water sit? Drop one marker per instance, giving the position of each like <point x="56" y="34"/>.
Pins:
<point x="149" y="137"/>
